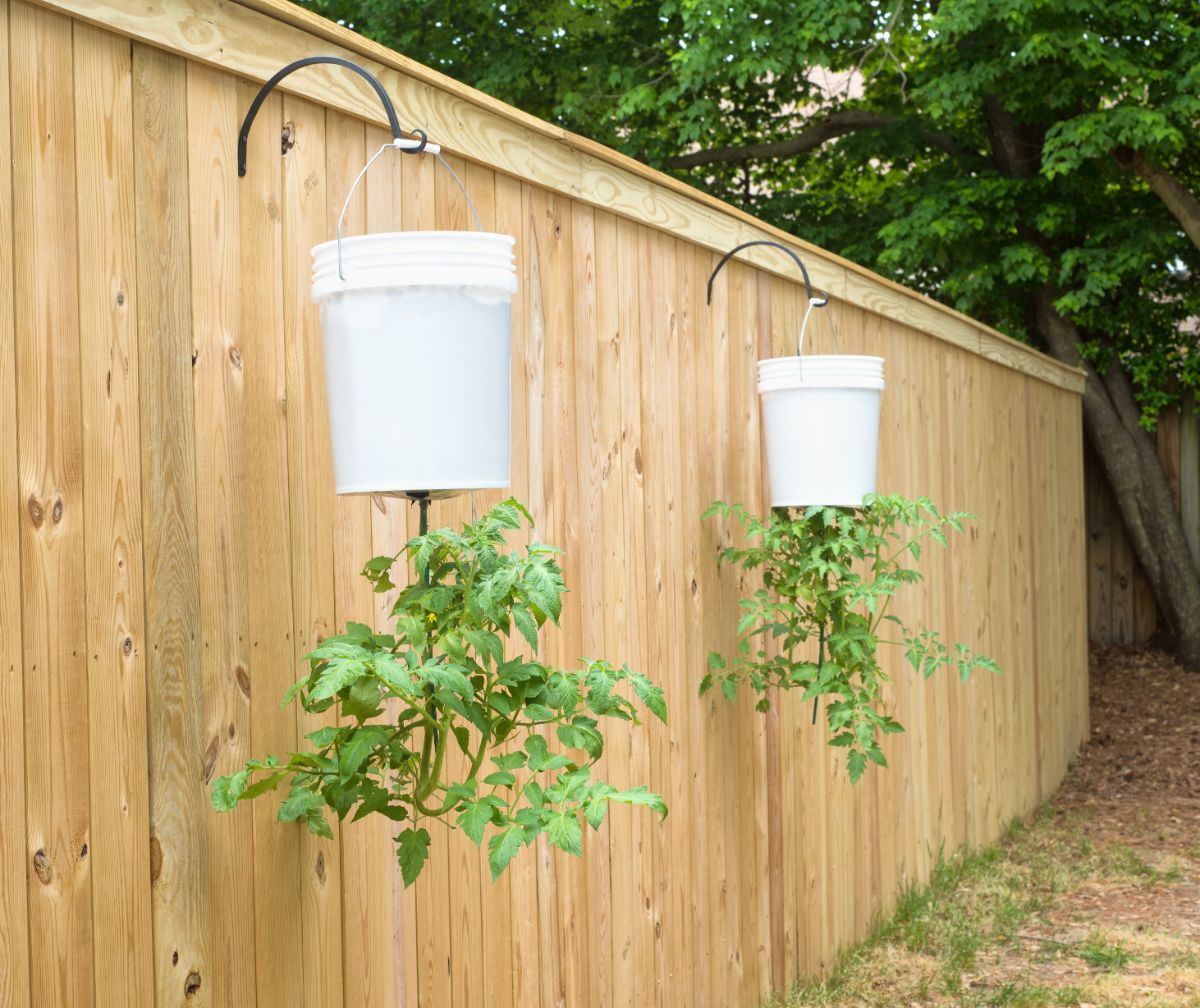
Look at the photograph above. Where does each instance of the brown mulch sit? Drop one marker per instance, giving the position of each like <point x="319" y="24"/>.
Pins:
<point x="1138" y="777"/>
<point x="1134" y="793"/>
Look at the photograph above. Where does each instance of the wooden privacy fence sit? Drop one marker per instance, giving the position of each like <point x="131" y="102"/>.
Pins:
<point x="171" y="545"/>
<point x="1121" y="604"/>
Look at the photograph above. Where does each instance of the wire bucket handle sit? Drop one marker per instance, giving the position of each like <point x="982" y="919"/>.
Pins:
<point x="818" y="299"/>
<point x="405" y="147"/>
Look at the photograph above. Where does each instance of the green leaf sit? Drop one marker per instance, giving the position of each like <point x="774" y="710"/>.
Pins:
<point x="298" y="803"/>
<point x="502" y="848"/>
<point x="510" y="761"/>
<point x="526" y="624"/>
<point x="444" y="676"/>
<point x="412" y="851"/>
<point x="563" y="832"/>
<point x="641" y="796"/>
<point x="396" y="676"/>
<point x="227" y="790"/>
<point x="358" y="746"/>
<point x="474" y="817"/>
<point x="650" y="695"/>
<point x="338" y="673"/>
<point x="501" y="778"/>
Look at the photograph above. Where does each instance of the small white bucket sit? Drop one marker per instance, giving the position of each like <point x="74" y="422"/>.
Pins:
<point x="417" y="344"/>
<point x="821" y="421"/>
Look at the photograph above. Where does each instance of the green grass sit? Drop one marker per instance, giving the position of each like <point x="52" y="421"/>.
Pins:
<point x="1099" y="953"/>
<point x="945" y="940"/>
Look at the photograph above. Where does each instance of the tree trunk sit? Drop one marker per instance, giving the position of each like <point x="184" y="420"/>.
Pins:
<point x="1138" y="481"/>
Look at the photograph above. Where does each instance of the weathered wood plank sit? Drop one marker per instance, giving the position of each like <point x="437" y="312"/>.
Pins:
<point x="49" y="417"/>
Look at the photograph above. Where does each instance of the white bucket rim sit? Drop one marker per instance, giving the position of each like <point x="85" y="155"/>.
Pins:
<point x="412" y="237"/>
<point x="849" y="371"/>
<point x="396" y="259"/>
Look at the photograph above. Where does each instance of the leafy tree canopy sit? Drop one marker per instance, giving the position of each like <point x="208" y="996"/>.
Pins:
<point x="977" y="150"/>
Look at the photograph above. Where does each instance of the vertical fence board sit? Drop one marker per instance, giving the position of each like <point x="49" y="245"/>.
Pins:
<point x="597" y="434"/>
<point x="687" y="708"/>
<point x="221" y="474"/>
<point x="52" y="508"/>
<point x="121" y="912"/>
<point x="179" y="849"/>
<point x="512" y="217"/>
<point x="271" y="667"/>
<point x="310" y="485"/>
<point x="14" y="904"/>
<point x="633" y="942"/>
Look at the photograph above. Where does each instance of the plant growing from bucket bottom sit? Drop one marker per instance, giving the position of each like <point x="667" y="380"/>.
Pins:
<point x="445" y="678"/>
<point x="829" y="575"/>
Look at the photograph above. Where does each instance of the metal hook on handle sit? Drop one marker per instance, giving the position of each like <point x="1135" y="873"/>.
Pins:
<point x="814" y="302"/>
<point x="819" y="300"/>
<point x="398" y="141"/>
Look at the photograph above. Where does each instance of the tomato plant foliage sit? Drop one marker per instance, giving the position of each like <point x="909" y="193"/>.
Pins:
<point x="830" y="575"/>
<point x="448" y="676"/>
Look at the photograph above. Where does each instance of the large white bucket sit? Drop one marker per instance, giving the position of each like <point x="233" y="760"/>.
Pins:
<point x="821" y="421"/>
<point x="417" y="343"/>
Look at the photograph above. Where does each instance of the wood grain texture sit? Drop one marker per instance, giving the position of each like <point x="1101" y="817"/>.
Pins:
<point x="271" y="669"/>
<point x="634" y="407"/>
<point x="311" y="512"/>
<point x="179" y="809"/>
<point x="116" y="645"/>
<point x="219" y="398"/>
<point x="49" y="417"/>
<point x="14" y="905"/>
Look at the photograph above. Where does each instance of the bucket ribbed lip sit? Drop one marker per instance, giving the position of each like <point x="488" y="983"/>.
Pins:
<point x="455" y="259"/>
<point x="820" y="371"/>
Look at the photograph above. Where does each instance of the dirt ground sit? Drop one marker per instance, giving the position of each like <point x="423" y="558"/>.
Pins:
<point x="1095" y="904"/>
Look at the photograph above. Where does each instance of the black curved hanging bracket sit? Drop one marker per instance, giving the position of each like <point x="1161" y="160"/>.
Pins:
<point x="407" y="146"/>
<point x="813" y="300"/>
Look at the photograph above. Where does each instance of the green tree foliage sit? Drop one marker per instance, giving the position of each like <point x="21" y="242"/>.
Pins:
<point x="1033" y="163"/>
<point x="446" y="679"/>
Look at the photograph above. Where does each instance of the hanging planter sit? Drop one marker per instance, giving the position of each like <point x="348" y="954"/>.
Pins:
<point x="417" y="338"/>
<point x="820" y="416"/>
<point x="417" y="335"/>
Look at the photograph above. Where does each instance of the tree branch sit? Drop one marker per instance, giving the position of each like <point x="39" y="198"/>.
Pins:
<point x="1177" y="197"/>
<point x="835" y="124"/>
